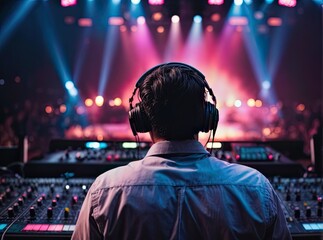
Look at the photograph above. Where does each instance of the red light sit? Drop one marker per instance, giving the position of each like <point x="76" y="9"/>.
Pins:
<point x="68" y="3"/>
<point x="287" y="3"/>
<point x="215" y="2"/>
<point x="85" y="22"/>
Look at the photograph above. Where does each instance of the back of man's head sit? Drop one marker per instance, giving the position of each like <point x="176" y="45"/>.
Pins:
<point x="173" y="98"/>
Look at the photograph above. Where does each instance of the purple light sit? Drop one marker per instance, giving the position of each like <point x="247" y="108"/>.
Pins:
<point x="215" y="2"/>
<point x="287" y="3"/>
<point x="68" y="3"/>
<point x="156" y="2"/>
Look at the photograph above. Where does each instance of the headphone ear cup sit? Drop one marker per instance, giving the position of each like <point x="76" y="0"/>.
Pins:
<point x="138" y="120"/>
<point x="211" y="117"/>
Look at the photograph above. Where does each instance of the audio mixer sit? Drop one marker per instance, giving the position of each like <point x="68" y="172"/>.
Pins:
<point x="47" y="208"/>
<point x="41" y="208"/>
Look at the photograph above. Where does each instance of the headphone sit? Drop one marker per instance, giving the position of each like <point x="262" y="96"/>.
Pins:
<point x="138" y="118"/>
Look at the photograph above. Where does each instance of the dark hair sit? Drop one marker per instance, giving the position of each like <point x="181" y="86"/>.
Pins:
<point x="173" y="98"/>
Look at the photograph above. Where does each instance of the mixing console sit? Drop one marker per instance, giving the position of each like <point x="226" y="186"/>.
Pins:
<point x="40" y="207"/>
<point x="48" y="207"/>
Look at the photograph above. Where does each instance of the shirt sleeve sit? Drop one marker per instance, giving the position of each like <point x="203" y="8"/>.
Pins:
<point x="277" y="227"/>
<point x="86" y="226"/>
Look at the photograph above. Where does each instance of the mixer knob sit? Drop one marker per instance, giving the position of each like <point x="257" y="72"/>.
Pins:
<point x="57" y="197"/>
<point x="66" y="212"/>
<point x="1" y="201"/>
<point x="319" y="202"/>
<point x="32" y="212"/>
<point x="319" y="212"/>
<point x="54" y="202"/>
<point x="297" y="212"/>
<point x="74" y="199"/>
<point x="16" y="207"/>
<point x="24" y="196"/>
<point x="49" y="212"/>
<point x="43" y="196"/>
<point x="8" y="192"/>
<point x="29" y="193"/>
<point x="20" y="201"/>
<point x="10" y="212"/>
<point x="67" y="188"/>
<point x="39" y="202"/>
<point x="308" y="211"/>
<point x="52" y="188"/>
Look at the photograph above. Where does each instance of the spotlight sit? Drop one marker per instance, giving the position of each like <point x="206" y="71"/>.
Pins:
<point x="48" y="109"/>
<point x="175" y="19"/>
<point x="117" y="101"/>
<point x="141" y="20"/>
<point x="88" y="102"/>
<point x="197" y="19"/>
<point x="99" y="101"/>
<point x="215" y="2"/>
<point x="160" y="29"/>
<point x="156" y="2"/>
<point x="287" y="3"/>
<point x="135" y="2"/>
<point x="237" y="103"/>
<point x="157" y="16"/>
<point x="238" y="2"/>
<point x="68" y="3"/>
<point x="266" y="85"/>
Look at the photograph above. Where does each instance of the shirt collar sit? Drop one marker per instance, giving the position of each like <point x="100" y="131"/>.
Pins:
<point x="169" y="147"/>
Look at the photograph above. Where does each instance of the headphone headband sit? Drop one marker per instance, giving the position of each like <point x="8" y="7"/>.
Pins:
<point x="138" y="119"/>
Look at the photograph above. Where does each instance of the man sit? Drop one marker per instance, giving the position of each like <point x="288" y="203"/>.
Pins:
<point x="179" y="191"/>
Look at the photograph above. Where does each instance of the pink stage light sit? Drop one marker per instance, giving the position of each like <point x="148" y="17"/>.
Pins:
<point x="85" y="22"/>
<point x="287" y="3"/>
<point x="156" y="2"/>
<point x="68" y="3"/>
<point x="215" y="2"/>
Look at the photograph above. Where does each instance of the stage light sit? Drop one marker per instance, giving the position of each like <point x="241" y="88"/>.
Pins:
<point x="248" y="1"/>
<point x="62" y="108"/>
<point x="269" y="1"/>
<point x="133" y="28"/>
<point x="251" y="102"/>
<point x="266" y="85"/>
<point x="274" y="21"/>
<point x="156" y="2"/>
<point x="80" y="110"/>
<point x="141" y="20"/>
<point x="135" y="2"/>
<point x="215" y="2"/>
<point x="68" y="3"/>
<point x="116" y="2"/>
<point x="238" y="2"/>
<point x="287" y="3"/>
<point x="48" y="109"/>
<point x="209" y="28"/>
<point x="160" y="29"/>
<point x="69" y="85"/>
<point x="237" y="103"/>
<point x="266" y="131"/>
<point x="117" y="102"/>
<point x="258" y="103"/>
<point x="99" y="101"/>
<point x="175" y="19"/>
<point x="197" y="19"/>
<point x="215" y="17"/>
<point x="300" y="107"/>
<point x="123" y="28"/>
<point x="85" y="22"/>
<point x="88" y="102"/>
<point x="238" y="21"/>
<point x="157" y="16"/>
<point x="116" y="21"/>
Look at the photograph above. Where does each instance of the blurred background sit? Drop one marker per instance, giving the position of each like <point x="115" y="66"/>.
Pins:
<point x="68" y="67"/>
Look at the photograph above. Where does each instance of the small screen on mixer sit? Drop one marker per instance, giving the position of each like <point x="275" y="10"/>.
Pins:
<point x="253" y="153"/>
<point x="96" y="145"/>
